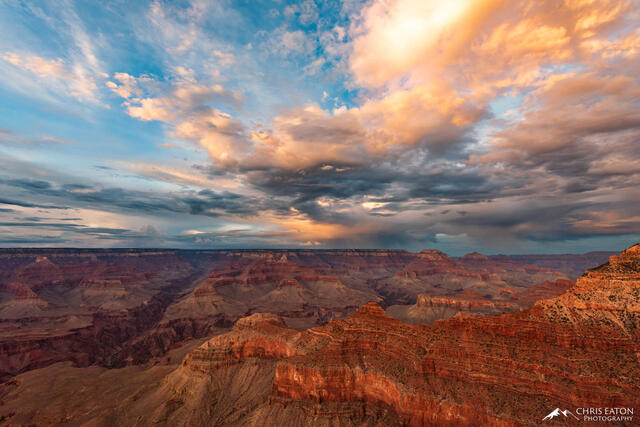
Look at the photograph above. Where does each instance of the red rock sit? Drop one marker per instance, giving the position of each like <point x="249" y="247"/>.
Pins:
<point x="430" y="308"/>
<point x="576" y="350"/>
<point x="573" y="265"/>
<point x="121" y="306"/>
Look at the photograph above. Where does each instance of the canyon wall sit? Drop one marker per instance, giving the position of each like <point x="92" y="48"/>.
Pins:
<point x="578" y="349"/>
<point x="575" y="350"/>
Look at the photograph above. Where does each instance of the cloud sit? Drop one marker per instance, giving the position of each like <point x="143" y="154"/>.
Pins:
<point x="70" y="82"/>
<point x="391" y="37"/>
<point x="393" y="123"/>
<point x="494" y="38"/>
<point x="74" y="71"/>
<point x="292" y="42"/>
<point x="441" y="64"/>
<point x="306" y="11"/>
<point x="22" y="203"/>
<point x="192" y="176"/>
<point x="179" y="31"/>
<point x="31" y="240"/>
<point x="572" y="108"/>
<point x="203" y="202"/>
<point x="186" y="107"/>
<point x="127" y="86"/>
<point x="37" y="65"/>
<point x="10" y="138"/>
<point x="184" y="99"/>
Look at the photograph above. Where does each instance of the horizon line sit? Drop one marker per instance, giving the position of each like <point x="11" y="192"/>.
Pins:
<point x="150" y="249"/>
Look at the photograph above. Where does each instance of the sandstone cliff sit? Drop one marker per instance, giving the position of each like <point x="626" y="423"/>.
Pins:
<point x="576" y="350"/>
<point x="116" y="307"/>
<point x="430" y="308"/>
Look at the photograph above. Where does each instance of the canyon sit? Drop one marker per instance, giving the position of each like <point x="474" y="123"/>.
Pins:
<point x="296" y="337"/>
<point x="122" y="307"/>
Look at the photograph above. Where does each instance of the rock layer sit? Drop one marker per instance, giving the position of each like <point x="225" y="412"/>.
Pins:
<point x="430" y="308"/>
<point x="125" y="306"/>
<point x="579" y="349"/>
<point x="576" y="350"/>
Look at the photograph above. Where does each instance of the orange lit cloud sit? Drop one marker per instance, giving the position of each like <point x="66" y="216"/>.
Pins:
<point x="185" y="109"/>
<point x="37" y="65"/>
<point x="432" y="67"/>
<point x="301" y="229"/>
<point x="440" y="65"/>
<point x="425" y="130"/>
<point x="74" y="81"/>
<point x="474" y="41"/>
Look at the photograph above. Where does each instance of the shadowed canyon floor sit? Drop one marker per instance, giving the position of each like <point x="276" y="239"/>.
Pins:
<point x="69" y="315"/>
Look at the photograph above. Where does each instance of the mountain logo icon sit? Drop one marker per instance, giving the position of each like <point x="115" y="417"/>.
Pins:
<point x="557" y="412"/>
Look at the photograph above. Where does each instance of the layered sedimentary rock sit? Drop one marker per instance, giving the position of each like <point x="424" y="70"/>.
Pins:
<point x="540" y="291"/>
<point x="573" y="265"/>
<point x="81" y="305"/>
<point x="576" y="350"/>
<point x="430" y="308"/>
<point x="579" y="349"/>
<point x="436" y="273"/>
<point x="119" y="307"/>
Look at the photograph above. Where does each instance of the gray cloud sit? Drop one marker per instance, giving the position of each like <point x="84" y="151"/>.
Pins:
<point x="204" y="202"/>
<point x="29" y="205"/>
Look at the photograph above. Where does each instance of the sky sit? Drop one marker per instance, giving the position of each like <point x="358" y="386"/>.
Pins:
<point x="490" y="125"/>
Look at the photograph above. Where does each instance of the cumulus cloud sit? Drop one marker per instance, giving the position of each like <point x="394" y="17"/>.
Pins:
<point x="490" y="40"/>
<point x="186" y="107"/>
<point x="482" y="122"/>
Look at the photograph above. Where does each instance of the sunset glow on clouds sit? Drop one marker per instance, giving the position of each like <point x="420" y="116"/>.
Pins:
<point x="504" y="126"/>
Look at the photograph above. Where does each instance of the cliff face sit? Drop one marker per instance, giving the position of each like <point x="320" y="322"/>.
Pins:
<point x="435" y="273"/>
<point x="81" y="305"/>
<point x="430" y="308"/>
<point x="576" y="350"/>
<point x="573" y="265"/>
<point x="126" y="306"/>
<point x="608" y="295"/>
<point x="285" y="283"/>
<point x="579" y="349"/>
